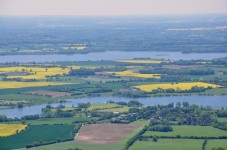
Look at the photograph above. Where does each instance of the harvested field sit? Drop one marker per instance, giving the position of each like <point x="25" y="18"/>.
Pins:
<point x="104" y="133"/>
<point x="48" y="93"/>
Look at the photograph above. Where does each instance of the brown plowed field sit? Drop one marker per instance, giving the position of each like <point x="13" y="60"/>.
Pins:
<point x="104" y="133"/>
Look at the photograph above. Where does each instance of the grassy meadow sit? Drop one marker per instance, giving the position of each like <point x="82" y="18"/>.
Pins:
<point x="170" y="144"/>
<point x="184" y="130"/>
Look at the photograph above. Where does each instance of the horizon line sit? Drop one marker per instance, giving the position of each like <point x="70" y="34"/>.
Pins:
<point x="123" y="15"/>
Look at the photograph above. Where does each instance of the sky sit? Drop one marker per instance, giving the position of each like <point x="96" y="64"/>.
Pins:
<point x="111" y="7"/>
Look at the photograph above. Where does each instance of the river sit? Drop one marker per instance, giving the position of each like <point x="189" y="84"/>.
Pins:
<point x="109" y="55"/>
<point x="215" y="102"/>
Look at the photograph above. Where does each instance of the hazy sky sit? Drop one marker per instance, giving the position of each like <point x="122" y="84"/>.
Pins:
<point x="111" y="7"/>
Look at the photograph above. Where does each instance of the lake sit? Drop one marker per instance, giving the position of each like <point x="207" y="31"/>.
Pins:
<point x="110" y="55"/>
<point x="215" y="102"/>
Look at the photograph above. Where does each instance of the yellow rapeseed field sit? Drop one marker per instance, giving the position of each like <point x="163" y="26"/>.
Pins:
<point x="15" y="84"/>
<point x="10" y="129"/>
<point x="129" y="73"/>
<point x="37" y="73"/>
<point x="176" y="86"/>
<point x="140" y="61"/>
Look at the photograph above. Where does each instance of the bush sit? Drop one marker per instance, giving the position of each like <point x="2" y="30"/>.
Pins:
<point x="161" y="128"/>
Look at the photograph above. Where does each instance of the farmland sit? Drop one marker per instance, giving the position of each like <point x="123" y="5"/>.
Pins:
<point x="216" y="144"/>
<point x="75" y="144"/>
<point x="98" y="133"/>
<point x="203" y="131"/>
<point x="176" y="86"/>
<point x="101" y="127"/>
<point x="37" y="73"/>
<point x="89" y="146"/>
<point x="108" y="107"/>
<point x="48" y="93"/>
<point x="170" y="144"/>
<point x="113" y="83"/>
<point x="134" y="74"/>
<point x="15" y="84"/>
<point x="24" y="85"/>
<point x="51" y="121"/>
<point x="45" y="133"/>
<point x="11" y="129"/>
<point x="102" y="106"/>
<point x="141" y="61"/>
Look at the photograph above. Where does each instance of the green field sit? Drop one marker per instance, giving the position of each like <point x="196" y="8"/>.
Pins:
<point x="141" y="122"/>
<point x="45" y="133"/>
<point x="216" y="143"/>
<point x="121" y="109"/>
<point x="168" y="144"/>
<point x="74" y="144"/>
<point x="218" y="91"/>
<point x="51" y="121"/>
<point x="109" y="107"/>
<point x="102" y="106"/>
<point x="222" y="119"/>
<point x="204" y="131"/>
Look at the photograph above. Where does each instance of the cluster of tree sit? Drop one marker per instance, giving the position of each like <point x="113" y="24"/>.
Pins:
<point x="222" y="113"/>
<point x="77" y="128"/>
<point x="8" y="104"/>
<point x="182" y="113"/>
<point x="171" y="90"/>
<point x="18" y="105"/>
<point x="204" y="144"/>
<point x="81" y="72"/>
<point x="145" y="137"/>
<point x="174" y="78"/>
<point x="220" y="125"/>
<point x="99" y="90"/>
<point x="83" y="105"/>
<point x="219" y="61"/>
<point x="134" y="138"/>
<point x="112" y="69"/>
<point x="177" y="71"/>
<point x="50" y="112"/>
<point x="102" y="115"/>
<point x="186" y="62"/>
<point x="30" y="117"/>
<point x="134" y="104"/>
<point x="4" y="118"/>
<point x="41" y="143"/>
<point x="130" y="93"/>
<point x="131" y="103"/>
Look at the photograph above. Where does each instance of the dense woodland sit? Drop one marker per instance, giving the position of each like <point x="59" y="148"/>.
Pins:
<point x="24" y="35"/>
